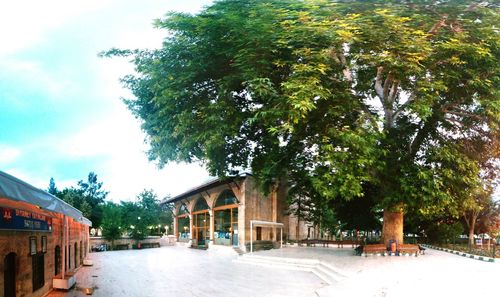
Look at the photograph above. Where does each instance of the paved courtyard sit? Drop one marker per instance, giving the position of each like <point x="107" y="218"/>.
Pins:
<point x="180" y="271"/>
<point x="436" y="273"/>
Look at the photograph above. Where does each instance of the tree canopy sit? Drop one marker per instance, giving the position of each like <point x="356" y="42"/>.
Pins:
<point x="343" y="94"/>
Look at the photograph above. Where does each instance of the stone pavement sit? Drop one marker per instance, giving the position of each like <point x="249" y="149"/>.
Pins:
<point x="180" y="271"/>
<point x="436" y="273"/>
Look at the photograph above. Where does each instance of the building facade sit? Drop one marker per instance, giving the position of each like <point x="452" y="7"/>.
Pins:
<point x="41" y="239"/>
<point x="232" y="212"/>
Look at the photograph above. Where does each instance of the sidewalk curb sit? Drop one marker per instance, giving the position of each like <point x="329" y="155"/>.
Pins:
<point x="466" y="255"/>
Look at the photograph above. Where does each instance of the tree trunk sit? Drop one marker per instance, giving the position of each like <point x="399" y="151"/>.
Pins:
<point x="471" y="231"/>
<point x="297" y="233"/>
<point x="393" y="226"/>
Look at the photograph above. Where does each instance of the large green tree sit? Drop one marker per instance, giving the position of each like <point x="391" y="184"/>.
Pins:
<point x="88" y="197"/>
<point x="112" y="222"/>
<point x="346" y="93"/>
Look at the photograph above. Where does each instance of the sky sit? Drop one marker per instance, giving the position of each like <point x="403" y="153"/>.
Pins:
<point x="60" y="110"/>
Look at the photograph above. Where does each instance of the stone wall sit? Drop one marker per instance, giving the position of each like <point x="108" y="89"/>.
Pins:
<point x="98" y="240"/>
<point x="253" y="205"/>
<point x="18" y="243"/>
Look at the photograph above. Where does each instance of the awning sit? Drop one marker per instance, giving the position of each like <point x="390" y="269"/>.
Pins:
<point x="257" y="223"/>
<point x="265" y="223"/>
<point x="18" y="190"/>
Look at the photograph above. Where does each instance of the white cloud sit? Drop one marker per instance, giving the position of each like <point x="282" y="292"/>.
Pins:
<point x="8" y="154"/>
<point x="24" y="23"/>
<point x="125" y="169"/>
<point x="115" y="139"/>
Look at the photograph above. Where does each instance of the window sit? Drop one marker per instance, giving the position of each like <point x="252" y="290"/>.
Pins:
<point x="57" y="260"/>
<point x="74" y="255"/>
<point x="226" y="198"/>
<point x="259" y="233"/>
<point x="32" y="245"/>
<point x="38" y="269"/>
<point x="44" y="244"/>
<point x="183" y="210"/>
<point x="200" y="205"/>
<point x="183" y="223"/>
<point x="69" y="256"/>
<point x="201" y="222"/>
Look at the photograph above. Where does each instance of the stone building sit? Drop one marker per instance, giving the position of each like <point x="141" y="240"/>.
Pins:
<point x="42" y="238"/>
<point x="233" y="212"/>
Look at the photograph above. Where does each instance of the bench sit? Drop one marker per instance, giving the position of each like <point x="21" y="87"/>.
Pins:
<point x="326" y="243"/>
<point x="147" y="245"/>
<point x="353" y="243"/>
<point x="374" y="249"/>
<point x="124" y="246"/>
<point x="408" y="248"/>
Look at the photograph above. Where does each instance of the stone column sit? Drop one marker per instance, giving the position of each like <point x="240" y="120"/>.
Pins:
<point x="242" y="227"/>
<point x="211" y="230"/>
<point x="190" y="229"/>
<point x="176" y="228"/>
<point x="212" y="224"/>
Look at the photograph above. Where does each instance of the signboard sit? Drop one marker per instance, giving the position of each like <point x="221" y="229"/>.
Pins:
<point x="18" y="219"/>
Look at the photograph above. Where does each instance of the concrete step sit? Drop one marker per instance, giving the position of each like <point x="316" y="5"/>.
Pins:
<point x="238" y="250"/>
<point x="271" y="263"/>
<point x="283" y="259"/>
<point x="323" y="270"/>
<point x="328" y="275"/>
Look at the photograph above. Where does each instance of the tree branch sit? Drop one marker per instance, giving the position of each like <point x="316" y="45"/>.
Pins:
<point x="422" y="134"/>
<point x="403" y="106"/>
<point x="438" y="25"/>
<point x="339" y="58"/>
<point x="387" y="84"/>
<point x="370" y="117"/>
<point x="466" y="114"/>
<point x="378" y="85"/>
<point x="394" y="91"/>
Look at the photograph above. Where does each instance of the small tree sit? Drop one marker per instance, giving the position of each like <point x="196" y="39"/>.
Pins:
<point x="112" y="222"/>
<point x="52" y="187"/>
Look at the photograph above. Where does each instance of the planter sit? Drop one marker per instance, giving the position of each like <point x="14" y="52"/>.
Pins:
<point x="64" y="283"/>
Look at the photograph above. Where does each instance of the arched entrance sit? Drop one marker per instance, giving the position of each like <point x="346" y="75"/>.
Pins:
<point x="201" y="223"/>
<point x="226" y="219"/>
<point x="183" y="224"/>
<point x="9" y="275"/>
<point x="57" y="260"/>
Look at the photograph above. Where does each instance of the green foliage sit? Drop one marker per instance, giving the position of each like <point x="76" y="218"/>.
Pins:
<point x="142" y="217"/>
<point x="445" y="233"/>
<point x="53" y="190"/>
<point x="340" y="94"/>
<point x="93" y="195"/>
<point x="112" y="222"/>
<point x="88" y="197"/>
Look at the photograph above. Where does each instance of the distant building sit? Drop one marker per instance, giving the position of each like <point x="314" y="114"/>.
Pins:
<point x="233" y="212"/>
<point x="42" y="238"/>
